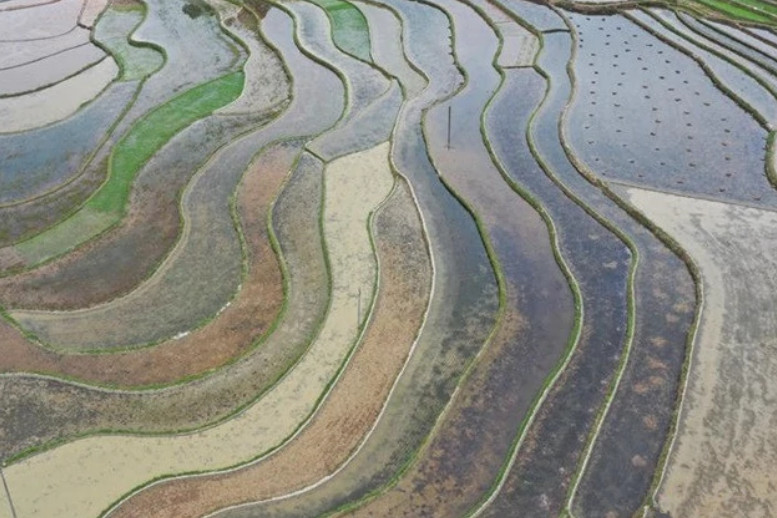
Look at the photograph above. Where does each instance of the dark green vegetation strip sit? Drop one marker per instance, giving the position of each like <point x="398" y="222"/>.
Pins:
<point x="746" y="11"/>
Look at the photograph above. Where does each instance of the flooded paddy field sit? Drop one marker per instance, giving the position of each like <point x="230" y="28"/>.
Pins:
<point x="383" y="258"/>
<point x="671" y="133"/>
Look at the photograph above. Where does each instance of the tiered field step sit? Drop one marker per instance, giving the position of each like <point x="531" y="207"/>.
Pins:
<point x="181" y="70"/>
<point x="115" y="30"/>
<point x="108" y="412"/>
<point x="261" y="427"/>
<point x="34" y="110"/>
<point x="463" y="304"/>
<point x="37" y="161"/>
<point x="349" y="412"/>
<point x="471" y="440"/>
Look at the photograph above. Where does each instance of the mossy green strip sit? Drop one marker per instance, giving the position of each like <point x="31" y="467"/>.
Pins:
<point x="758" y="5"/>
<point x="148" y="135"/>
<point x="736" y="11"/>
<point x="349" y="28"/>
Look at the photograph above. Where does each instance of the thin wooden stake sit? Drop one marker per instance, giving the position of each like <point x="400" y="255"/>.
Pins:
<point x="449" y="126"/>
<point x="7" y="492"/>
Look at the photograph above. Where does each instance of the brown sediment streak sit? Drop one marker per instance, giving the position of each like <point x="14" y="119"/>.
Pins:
<point x="353" y="406"/>
<point x="234" y="331"/>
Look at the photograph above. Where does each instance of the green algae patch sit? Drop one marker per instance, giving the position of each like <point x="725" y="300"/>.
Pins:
<point x="107" y="206"/>
<point x="350" y="31"/>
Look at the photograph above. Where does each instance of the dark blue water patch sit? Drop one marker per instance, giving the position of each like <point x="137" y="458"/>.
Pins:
<point x="197" y="8"/>
<point x="36" y="161"/>
<point x="627" y="452"/>
<point x="599" y="262"/>
<point x="498" y="394"/>
<point x="656" y="262"/>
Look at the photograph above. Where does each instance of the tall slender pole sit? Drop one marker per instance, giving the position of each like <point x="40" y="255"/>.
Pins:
<point x="449" y="126"/>
<point x="7" y="491"/>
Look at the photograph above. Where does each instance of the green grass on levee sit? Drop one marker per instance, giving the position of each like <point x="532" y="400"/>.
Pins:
<point x="745" y="10"/>
<point x="146" y="137"/>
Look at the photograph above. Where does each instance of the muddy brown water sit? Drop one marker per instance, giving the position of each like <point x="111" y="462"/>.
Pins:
<point x="263" y="425"/>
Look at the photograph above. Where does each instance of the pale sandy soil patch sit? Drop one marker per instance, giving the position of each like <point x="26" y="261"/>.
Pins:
<point x="520" y="46"/>
<point x="40" y="21"/>
<point x="722" y="463"/>
<point x="91" y="11"/>
<point x="5" y="505"/>
<point x="52" y="104"/>
<point x="48" y="71"/>
<point x="15" y="53"/>
<point x="82" y="478"/>
<point x="352" y="407"/>
<point x="63" y="410"/>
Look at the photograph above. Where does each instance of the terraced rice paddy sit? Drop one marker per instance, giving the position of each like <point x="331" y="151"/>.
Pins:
<point x="418" y="258"/>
